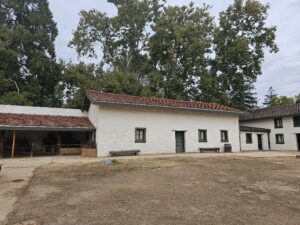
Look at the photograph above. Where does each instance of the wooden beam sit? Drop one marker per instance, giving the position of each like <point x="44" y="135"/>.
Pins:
<point x="13" y="145"/>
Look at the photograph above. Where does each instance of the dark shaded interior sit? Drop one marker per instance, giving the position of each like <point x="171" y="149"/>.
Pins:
<point x="38" y="143"/>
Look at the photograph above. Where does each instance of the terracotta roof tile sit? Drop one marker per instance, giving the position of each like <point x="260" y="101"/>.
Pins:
<point x="44" y="121"/>
<point x="100" y="97"/>
<point x="272" y="112"/>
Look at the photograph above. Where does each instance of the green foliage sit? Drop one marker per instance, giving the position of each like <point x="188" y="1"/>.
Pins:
<point x="77" y="79"/>
<point x="178" y="52"/>
<point x="272" y="99"/>
<point x="283" y="100"/>
<point x="239" y="44"/>
<point x="27" y="55"/>
<point x="123" y="45"/>
<point x="146" y="49"/>
<point x="122" y="38"/>
<point x="119" y="82"/>
<point x="115" y="162"/>
<point x="297" y="98"/>
<point x="81" y="77"/>
<point x="179" y="49"/>
<point x="14" y="98"/>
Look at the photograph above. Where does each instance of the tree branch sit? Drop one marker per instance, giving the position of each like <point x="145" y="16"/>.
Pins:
<point x="16" y="85"/>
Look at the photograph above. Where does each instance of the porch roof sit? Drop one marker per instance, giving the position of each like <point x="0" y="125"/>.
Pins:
<point x="254" y="129"/>
<point x="12" y="121"/>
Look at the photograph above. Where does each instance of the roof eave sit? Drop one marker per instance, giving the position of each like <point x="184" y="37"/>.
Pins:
<point x="267" y="117"/>
<point x="165" y="107"/>
<point x="37" y="128"/>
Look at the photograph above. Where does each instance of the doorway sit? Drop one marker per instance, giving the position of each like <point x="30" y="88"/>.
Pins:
<point x="180" y="142"/>
<point x="298" y="141"/>
<point x="259" y="142"/>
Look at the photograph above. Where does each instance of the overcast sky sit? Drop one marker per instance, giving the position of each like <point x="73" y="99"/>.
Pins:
<point x="281" y="70"/>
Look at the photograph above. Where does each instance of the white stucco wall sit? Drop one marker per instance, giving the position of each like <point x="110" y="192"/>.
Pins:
<point x="254" y="145"/>
<point x="289" y="131"/>
<point x="40" y="110"/>
<point x="116" y="129"/>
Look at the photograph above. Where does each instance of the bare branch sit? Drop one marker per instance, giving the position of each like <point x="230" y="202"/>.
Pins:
<point x="16" y="85"/>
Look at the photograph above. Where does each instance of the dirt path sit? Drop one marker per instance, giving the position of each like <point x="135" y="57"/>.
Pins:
<point x="17" y="172"/>
<point x="178" y="190"/>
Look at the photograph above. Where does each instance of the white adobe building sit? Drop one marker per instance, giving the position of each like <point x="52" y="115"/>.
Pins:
<point x="119" y="123"/>
<point x="154" y="125"/>
<point x="278" y="128"/>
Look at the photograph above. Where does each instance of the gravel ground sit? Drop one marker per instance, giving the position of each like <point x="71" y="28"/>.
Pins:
<point x="168" y="190"/>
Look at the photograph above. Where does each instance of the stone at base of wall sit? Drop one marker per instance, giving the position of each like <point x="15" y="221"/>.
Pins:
<point x="89" y="152"/>
<point x="70" y="151"/>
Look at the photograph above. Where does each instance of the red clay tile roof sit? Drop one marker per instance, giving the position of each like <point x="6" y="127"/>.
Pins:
<point x="272" y="112"/>
<point x="44" y="121"/>
<point x="100" y="97"/>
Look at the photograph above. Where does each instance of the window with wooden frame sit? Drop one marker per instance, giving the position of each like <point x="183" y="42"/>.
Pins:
<point x="140" y="135"/>
<point x="278" y="123"/>
<point x="279" y="139"/>
<point x="249" y="138"/>
<point x="224" y="136"/>
<point x="202" y="134"/>
<point x="296" y="121"/>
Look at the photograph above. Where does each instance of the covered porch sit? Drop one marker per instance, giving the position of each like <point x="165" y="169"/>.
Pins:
<point x="254" y="139"/>
<point x="39" y="135"/>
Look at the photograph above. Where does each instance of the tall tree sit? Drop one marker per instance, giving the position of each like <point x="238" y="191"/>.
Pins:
<point x="180" y="47"/>
<point x="239" y="44"/>
<point x="270" y="97"/>
<point x="297" y="98"/>
<point x="122" y="38"/>
<point x="77" y="78"/>
<point x="178" y="52"/>
<point x="29" y="73"/>
<point x="250" y="96"/>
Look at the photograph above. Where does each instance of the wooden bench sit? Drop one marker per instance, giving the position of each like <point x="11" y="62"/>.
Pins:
<point x="124" y="153"/>
<point x="205" y="150"/>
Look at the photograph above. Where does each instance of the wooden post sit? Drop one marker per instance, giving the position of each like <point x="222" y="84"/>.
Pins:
<point x="13" y="145"/>
<point x="58" y="143"/>
<point x="93" y="136"/>
<point x="90" y="137"/>
<point x="1" y="145"/>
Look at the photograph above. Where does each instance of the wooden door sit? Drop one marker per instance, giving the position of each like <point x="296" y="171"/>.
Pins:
<point x="259" y="142"/>
<point x="180" y="142"/>
<point x="298" y="141"/>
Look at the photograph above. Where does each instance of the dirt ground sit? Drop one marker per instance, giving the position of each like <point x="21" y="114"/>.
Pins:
<point x="163" y="191"/>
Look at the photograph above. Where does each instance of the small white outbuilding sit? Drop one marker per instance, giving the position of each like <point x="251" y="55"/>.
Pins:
<point x="282" y="123"/>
